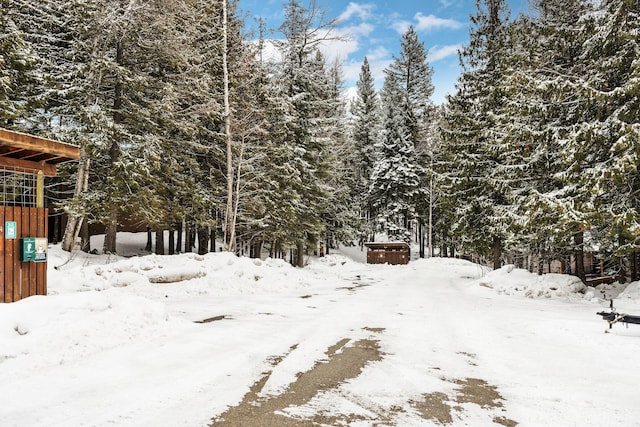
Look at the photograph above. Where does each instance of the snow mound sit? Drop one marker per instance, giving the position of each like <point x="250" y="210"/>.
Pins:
<point x="509" y="280"/>
<point x="42" y="331"/>
<point x="632" y="291"/>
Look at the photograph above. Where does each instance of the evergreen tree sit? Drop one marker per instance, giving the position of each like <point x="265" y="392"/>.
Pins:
<point x="562" y="209"/>
<point x="543" y="104"/>
<point x="17" y="68"/>
<point x="412" y="70"/>
<point x="395" y="179"/>
<point x="365" y="124"/>
<point x="303" y="80"/>
<point x="341" y="215"/>
<point x="611" y="138"/>
<point x="477" y="195"/>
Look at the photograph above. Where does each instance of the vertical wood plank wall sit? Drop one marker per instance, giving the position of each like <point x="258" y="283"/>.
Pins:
<point x="393" y="257"/>
<point x="21" y="279"/>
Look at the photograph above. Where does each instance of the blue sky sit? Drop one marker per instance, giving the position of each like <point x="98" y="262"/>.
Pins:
<point x="374" y="30"/>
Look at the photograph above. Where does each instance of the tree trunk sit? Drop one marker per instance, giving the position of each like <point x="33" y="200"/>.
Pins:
<point x="56" y="229"/>
<point x="85" y="239"/>
<point x="160" y="242"/>
<point x="212" y="245"/>
<point x="540" y="264"/>
<point x="300" y="258"/>
<point x="621" y="260"/>
<point x="172" y="239"/>
<point x="578" y="240"/>
<point x="203" y="240"/>
<point x="497" y="252"/>
<point x="149" y="240"/>
<point x="190" y="236"/>
<point x="445" y="246"/>
<point x="421" y="237"/>
<point x="74" y="221"/>
<point x="179" y="239"/>
<point x="431" y="212"/>
<point x="111" y="229"/>
<point x="634" y="265"/>
<point x="256" y="249"/>
<point x="229" y="219"/>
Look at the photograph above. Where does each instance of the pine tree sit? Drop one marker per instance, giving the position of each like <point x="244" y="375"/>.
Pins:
<point x="341" y="214"/>
<point x="412" y="70"/>
<point x="612" y="136"/>
<point x="562" y="209"/>
<point x="17" y="65"/>
<point x="365" y="124"/>
<point x="395" y="179"/>
<point x="304" y="82"/>
<point x="471" y="160"/>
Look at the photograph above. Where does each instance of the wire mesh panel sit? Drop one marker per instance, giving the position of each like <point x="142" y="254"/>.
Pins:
<point x="18" y="188"/>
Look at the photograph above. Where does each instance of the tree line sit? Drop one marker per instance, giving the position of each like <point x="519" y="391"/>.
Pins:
<point x="184" y="125"/>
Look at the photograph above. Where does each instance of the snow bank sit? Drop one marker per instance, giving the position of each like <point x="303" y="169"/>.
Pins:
<point x="42" y="331"/>
<point x="516" y="281"/>
<point x="631" y="291"/>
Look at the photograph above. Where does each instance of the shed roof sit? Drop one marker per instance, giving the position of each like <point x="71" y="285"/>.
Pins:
<point x="28" y="152"/>
<point x="387" y="245"/>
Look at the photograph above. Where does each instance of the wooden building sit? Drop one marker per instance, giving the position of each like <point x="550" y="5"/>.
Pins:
<point x="388" y="253"/>
<point x="25" y="161"/>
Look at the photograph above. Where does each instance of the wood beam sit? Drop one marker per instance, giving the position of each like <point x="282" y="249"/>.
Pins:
<point x="30" y="142"/>
<point x="47" y="169"/>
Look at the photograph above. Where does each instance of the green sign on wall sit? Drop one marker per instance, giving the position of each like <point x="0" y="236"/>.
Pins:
<point x="10" y="228"/>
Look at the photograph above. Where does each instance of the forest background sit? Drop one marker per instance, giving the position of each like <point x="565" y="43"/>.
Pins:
<point x="185" y="126"/>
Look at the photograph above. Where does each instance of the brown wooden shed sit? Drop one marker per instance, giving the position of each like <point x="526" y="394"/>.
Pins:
<point x="388" y="253"/>
<point x="24" y="162"/>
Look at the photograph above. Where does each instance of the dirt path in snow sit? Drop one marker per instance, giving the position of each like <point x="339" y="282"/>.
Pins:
<point x="344" y="362"/>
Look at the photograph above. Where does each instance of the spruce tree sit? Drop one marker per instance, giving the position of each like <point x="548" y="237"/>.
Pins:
<point x="395" y="179"/>
<point x="564" y="108"/>
<point x="412" y="70"/>
<point x="365" y="125"/>
<point x="303" y="80"/>
<point x="611" y="168"/>
<point x="17" y="68"/>
<point x="477" y="195"/>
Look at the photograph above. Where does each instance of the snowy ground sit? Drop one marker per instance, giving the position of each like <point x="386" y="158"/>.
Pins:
<point x="113" y="345"/>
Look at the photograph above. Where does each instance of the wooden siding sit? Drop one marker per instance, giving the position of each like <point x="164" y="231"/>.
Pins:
<point x="388" y="253"/>
<point x="18" y="279"/>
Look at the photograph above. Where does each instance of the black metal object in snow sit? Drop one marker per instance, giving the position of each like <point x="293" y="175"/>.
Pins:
<point x="614" y="317"/>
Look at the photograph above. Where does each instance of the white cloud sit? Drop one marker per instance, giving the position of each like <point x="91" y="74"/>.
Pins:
<point x="431" y="22"/>
<point x="437" y="53"/>
<point x="379" y="53"/>
<point x="340" y="49"/>
<point x="362" y="11"/>
<point x="401" y="26"/>
<point x="347" y="41"/>
<point x="426" y="23"/>
<point x="447" y="3"/>
<point x="363" y="29"/>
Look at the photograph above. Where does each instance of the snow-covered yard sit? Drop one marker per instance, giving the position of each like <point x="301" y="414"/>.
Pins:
<point x="178" y="340"/>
